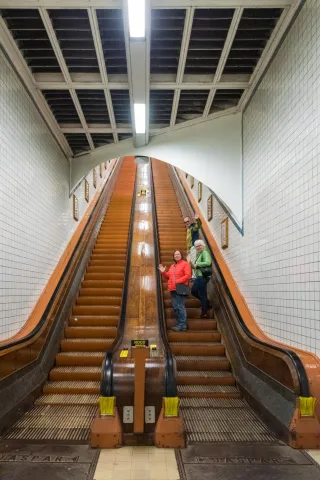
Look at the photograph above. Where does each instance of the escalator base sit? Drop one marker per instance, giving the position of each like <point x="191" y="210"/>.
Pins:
<point x="222" y="420"/>
<point x="242" y="462"/>
<point x="54" y="423"/>
<point x="30" y="461"/>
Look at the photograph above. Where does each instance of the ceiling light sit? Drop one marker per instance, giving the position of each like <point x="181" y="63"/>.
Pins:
<point x="137" y="16"/>
<point x="140" y="117"/>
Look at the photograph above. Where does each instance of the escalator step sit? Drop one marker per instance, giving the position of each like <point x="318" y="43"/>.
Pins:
<point x="94" y="320"/>
<point x="228" y="389"/>
<point x="85" y="300"/>
<point x="67" y="399"/>
<point x="194" y="336"/>
<point x="224" y="424"/>
<point x="75" y="373"/>
<point x="205" y="373"/>
<point x="85" y="344"/>
<point x="96" y="310"/>
<point x="100" y="292"/>
<point x="54" y="422"/>
<point x="216" y="403"/>
<point x="114" y="284"/>
<point x="194" y="324"/>
<point x="90" y="332"/>
<point x="69" y="386"/>
<point x="199" y="349"/>
<point x="79" y="359"/>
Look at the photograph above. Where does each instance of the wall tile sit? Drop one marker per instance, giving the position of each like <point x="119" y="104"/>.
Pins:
<point x="276" y="262"/>
<point x="36" y="215"/>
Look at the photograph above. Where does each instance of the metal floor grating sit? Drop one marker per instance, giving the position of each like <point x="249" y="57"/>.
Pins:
<point x="54" y="422"/>
<point x="207" y="388"/>
<point x="74" y="384"/>
<point x="77" y="369"/>
<point x="222" y="420"/>
<point x="68" y="399"/>
<point x="212" y="403"/>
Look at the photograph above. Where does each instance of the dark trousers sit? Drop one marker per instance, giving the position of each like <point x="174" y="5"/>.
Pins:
<point x="199" y="290"/>
<point x="179" y="309"/>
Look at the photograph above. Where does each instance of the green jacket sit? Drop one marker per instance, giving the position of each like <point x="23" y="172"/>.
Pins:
<point x="203" y="260"/>
<point x="193" y="233"/>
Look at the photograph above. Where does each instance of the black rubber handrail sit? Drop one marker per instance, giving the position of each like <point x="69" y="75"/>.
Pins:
<point x="106" y="384"/>
<point x="170" y="377"/>
<point x="44" y="316"/>
<point x="295" y="359"/>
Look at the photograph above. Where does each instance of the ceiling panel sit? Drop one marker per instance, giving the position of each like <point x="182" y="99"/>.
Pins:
<point x="254" y="30"/>
<point x="101" y="139"/>
<point x="121" y="107"/>
<point x="74" y="35"/>
<point x="112" y="38"/>
<point x="94" y="107"/>
<point x="224" y="99"/>
<point x="160" y="107"/>
<point x="166" y="36"/>
<point x="209" y="32"/>
<point x="191" y="104"/>
<point x="32" y="39"/>
<point x="62" y="106"/>
<point x="78" y="142"/>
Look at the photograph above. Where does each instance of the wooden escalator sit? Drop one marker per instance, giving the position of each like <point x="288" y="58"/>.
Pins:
<point x="69" y="399"/>
<point x="210" y="400"/>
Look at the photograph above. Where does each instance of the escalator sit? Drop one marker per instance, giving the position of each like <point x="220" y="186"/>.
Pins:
<point x="211" y="404"/>
<point x="69" y="399"/>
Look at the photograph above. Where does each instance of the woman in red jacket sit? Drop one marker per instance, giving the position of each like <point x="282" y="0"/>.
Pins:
<point x="179" y="272"/>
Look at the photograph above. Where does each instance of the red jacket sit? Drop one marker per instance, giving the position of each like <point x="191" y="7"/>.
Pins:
<point x="178" y="273"/>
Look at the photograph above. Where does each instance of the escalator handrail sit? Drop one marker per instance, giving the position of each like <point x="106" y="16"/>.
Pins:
<point x="44" y="316"/>
<point x="106" y="384"/>
<point x="295" y="359"/>
<point x="170" y="377"/>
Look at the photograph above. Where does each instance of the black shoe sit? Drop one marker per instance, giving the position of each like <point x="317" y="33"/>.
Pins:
<point x="204" y="315"/>
<point x="209" y="305"/>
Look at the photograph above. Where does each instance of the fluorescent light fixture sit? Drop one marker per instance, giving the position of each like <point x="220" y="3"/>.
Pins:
<point x="137" y="18"/>
<point x="140" y="117"/>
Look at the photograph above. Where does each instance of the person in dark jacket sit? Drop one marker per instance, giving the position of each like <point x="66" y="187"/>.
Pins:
<point x="199" y="287"/>
<point x="179" y="272"/>
<point x="193" y="228"/>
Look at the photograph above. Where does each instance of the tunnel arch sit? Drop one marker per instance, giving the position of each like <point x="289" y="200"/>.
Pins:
<point x="210" y="151"/>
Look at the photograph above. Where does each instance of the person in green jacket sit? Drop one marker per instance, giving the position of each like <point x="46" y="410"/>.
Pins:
<point x="199" y="287"/>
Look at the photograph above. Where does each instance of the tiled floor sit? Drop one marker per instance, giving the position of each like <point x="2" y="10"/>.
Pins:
<point x="137" y="463"/>
<point x="315" y="454"/>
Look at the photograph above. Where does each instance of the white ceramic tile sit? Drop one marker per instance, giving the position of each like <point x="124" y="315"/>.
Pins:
<point x="276" y="263"/>
<point x="35" y="209"/>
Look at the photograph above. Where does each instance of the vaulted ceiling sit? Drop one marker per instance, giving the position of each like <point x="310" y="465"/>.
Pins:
<point x="205" y="58"/>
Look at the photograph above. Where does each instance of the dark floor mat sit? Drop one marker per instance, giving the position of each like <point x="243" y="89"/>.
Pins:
<point x="20" y="460"/>
<point x="245" y="462"/>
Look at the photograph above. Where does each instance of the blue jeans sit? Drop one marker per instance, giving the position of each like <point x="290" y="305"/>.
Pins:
<point x="179" y="309"/>
<point x="199" y="290"/>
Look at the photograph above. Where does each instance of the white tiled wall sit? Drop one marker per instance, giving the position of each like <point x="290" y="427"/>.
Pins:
<point x="276" y="263"/>
<point x="36" y="216"/>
